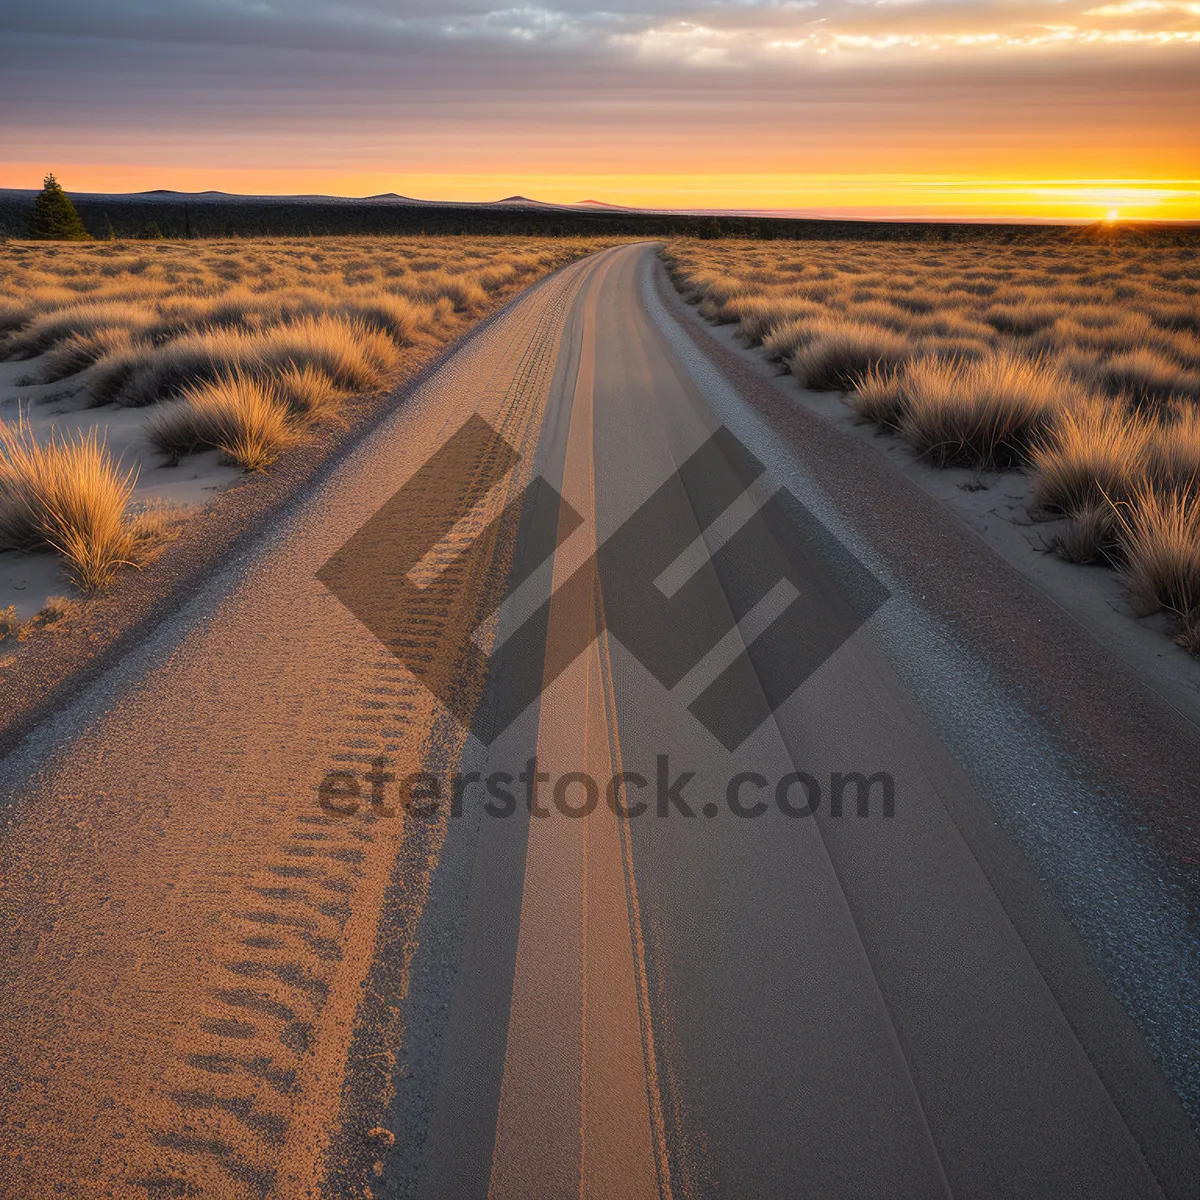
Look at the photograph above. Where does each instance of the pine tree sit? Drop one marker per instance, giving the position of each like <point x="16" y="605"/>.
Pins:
<point x="54" y="216"/>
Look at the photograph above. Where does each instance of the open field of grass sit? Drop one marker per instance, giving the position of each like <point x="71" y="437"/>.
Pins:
<point x="124" y="358"/>
<point x="1079" y="363"/>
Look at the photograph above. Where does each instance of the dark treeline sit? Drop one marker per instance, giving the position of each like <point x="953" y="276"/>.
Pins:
<point x="174" y="216"/>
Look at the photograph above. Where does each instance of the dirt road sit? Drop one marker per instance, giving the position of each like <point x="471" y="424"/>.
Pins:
<point x="263" y="938"/>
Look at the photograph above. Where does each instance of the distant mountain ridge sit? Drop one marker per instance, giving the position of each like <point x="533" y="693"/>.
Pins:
<point x="161" y="212"/>
<point x="170" y="195"/>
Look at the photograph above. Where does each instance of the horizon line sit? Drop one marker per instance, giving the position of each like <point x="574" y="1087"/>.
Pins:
<point x="865" y="213"/>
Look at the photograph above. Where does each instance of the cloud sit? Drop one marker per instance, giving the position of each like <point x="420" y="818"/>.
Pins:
<point x="914" y="29"/>
<point x="1145" y="8"/>
<point x="702" y="32"/>
<point x="626" y="85"/>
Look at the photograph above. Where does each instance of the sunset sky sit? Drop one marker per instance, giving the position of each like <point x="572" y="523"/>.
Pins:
<point x="1064" y="108"/>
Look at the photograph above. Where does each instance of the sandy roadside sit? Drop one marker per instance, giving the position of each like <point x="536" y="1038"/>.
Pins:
<point x="39" y="675"/>
<point x="996" y="506"/>
<point x="65" y="409"/>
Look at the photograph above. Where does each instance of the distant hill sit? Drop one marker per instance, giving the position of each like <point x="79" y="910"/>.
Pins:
<point x="606" y="205"/>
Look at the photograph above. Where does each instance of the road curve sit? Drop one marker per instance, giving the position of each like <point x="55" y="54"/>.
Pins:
<point x="328" y="891"/>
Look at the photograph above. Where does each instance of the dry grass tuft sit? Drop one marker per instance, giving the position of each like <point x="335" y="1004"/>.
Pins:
<point x="760" y="315"/>
<point x="1147" y="375"/>
<point x="351" y="353"/>
<point x="79" y="351"/>
<point x="1023" y="318"/>
<point x="1189" y="635"/>
<point x="47" y="329"/>
<point x="401" y="317"/>
<point x="1091" y="535"/>
<point x="309" y="394"/>
<point x="878" y="396"/>
<point x="239" y="415"/>
<point x="13" y="314"/>
<point x="985" y="413"/>
<point x="1160" y="540"/>
<point x="782" y="341"/>
<point x="69" y="495"/>
<point x="155" y="321"/>
<point x="1174" y="448"/>
<point x="1089" y="458"/>
<point x="10" y="623"/>
<point x="841" y="354"/>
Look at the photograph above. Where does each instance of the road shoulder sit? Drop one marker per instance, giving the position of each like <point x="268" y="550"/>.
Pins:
<point x="1131" y="753"/>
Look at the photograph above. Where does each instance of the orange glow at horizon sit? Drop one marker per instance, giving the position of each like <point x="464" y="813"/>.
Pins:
<point x="866" y="194"/>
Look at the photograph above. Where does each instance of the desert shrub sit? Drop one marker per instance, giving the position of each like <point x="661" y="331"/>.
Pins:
<point x="985" y="413"/>
<point x="1090" y="458"/>
<point x="239" y="415"/>
<point x="1174" y="448"/>
<point x="81" y="350"/>
<point x="67" y="494"/>
<point x="842" y="352"/>
<point x="1147" y="375"/>
<point x="878" y="396"/>
<point x="1160" y="540"/>
<point x="1091" y="535"/>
